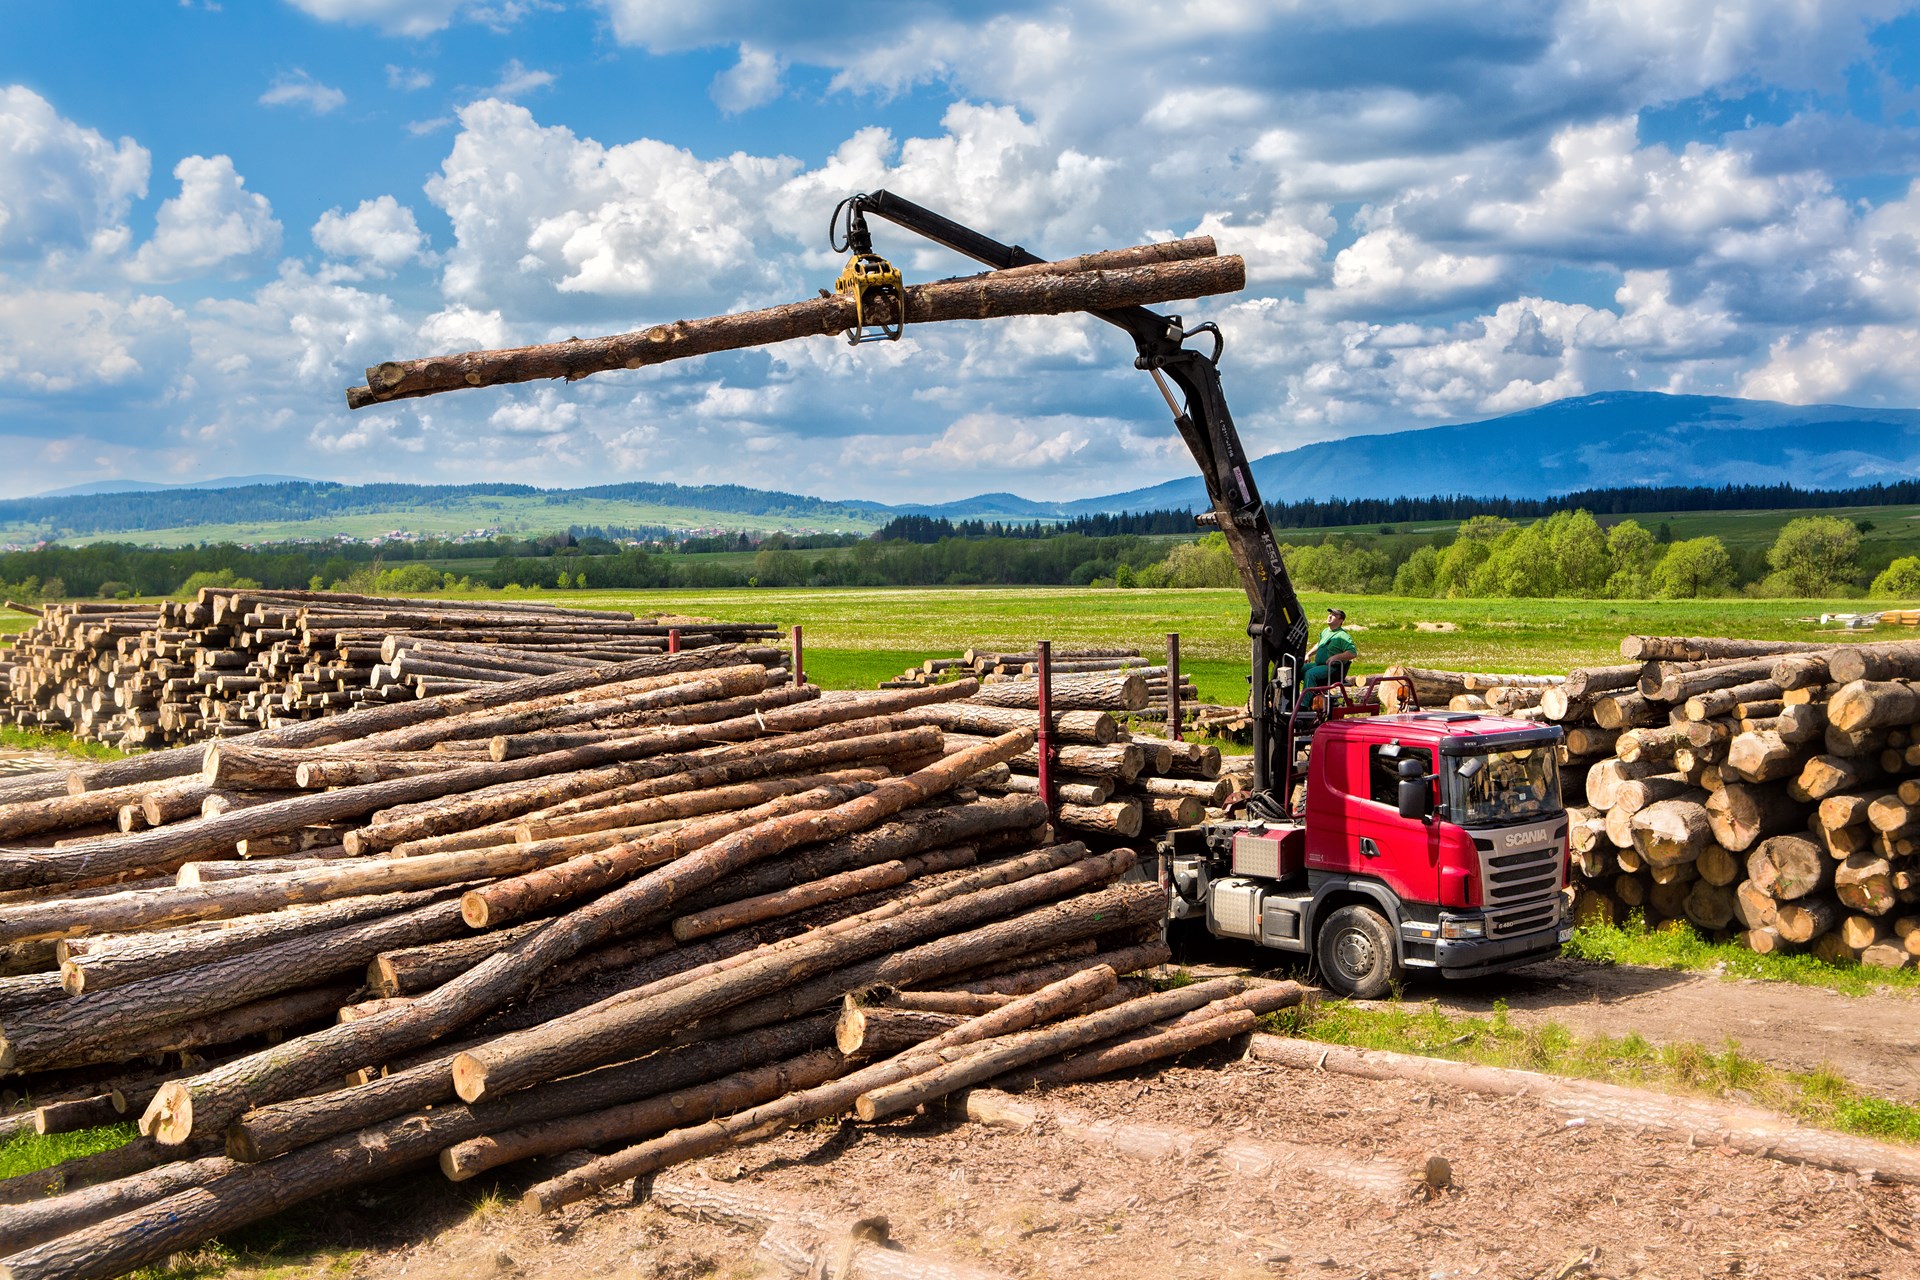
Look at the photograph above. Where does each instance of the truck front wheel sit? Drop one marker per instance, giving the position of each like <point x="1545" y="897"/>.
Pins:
<point x="1355" y="950"/>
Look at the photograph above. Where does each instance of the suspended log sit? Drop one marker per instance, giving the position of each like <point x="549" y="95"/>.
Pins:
<point x="973" y="298"/>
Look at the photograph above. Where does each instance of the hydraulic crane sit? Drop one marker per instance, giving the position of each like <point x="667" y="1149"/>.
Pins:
<point x="1373" y="843"/>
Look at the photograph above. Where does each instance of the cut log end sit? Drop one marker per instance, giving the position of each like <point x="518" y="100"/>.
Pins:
<point x="169" y="1117"/>
<point x="469" y="1077"/>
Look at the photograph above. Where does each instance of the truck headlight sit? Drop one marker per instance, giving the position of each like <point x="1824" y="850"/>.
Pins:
<point x="1462" y="927"/>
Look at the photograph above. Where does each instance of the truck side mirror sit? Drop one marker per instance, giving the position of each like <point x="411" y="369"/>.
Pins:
<point x="1416" y="799"/>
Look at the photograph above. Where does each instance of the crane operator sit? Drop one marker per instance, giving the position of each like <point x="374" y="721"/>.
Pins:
<point x="1333" y="642"/>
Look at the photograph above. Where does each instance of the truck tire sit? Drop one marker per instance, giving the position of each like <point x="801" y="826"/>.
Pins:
<point x="1355" y="950"/>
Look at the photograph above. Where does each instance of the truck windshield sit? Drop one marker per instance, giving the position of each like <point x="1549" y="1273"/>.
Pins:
<point x="1504" y="787"/>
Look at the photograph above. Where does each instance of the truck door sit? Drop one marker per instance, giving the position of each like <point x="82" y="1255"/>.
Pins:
<point x="1366" y="835"/>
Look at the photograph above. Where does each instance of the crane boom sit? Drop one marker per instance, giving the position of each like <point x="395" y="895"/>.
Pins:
<point x="1277" y="625"/>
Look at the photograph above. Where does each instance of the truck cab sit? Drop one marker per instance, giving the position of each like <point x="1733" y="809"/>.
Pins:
<point x="1424" y="841"/>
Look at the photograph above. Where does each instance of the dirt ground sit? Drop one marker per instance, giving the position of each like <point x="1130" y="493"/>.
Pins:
<point x="1532" y="1198"/>
<point x="1872" y="1041"/>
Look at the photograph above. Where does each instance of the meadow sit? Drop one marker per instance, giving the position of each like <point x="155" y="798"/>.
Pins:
<point x="858" y="636"/>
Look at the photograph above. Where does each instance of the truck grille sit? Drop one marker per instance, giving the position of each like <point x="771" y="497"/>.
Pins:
<point x="1520" y="889"/>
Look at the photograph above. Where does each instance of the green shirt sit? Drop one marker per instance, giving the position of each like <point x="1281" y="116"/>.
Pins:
<point x="1333" y="640"/>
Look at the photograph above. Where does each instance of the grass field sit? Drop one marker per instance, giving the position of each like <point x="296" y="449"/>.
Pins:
<point x="857" y="636"/>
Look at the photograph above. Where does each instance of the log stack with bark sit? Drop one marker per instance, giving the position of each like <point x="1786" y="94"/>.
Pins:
<point x="1763" y="790"/>
<point x="649" y="910"/>
<point x="233" y="661"/>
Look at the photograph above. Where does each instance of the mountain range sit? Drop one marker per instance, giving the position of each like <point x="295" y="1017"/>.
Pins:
<point x="1611" y="439"/>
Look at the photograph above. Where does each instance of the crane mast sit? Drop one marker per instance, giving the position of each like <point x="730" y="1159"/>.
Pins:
<point x="1277" y="623"/>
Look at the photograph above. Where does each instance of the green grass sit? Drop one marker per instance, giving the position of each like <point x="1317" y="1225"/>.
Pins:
<point x="1818" y="1097"/>
<point x="1679" y="946"/>
<point x="29" y="1151"/>
<point x="33" y="740"/>
<point x="1489" y="635"/>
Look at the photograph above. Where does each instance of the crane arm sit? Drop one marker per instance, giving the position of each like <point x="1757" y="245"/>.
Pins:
<point x="1278" y="625"/>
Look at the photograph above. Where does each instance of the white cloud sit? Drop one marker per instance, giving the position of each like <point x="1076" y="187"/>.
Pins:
<point x="399" y="17"/>
<point x="64" y="189"/>
<point x="539" y="213"/>
<point x="54" y="342"/>
<point x="408" y="79"/>
<point x="753" y="81"/>
<point x="214" y="226"/>
<point x="1391" y="269"/>
<point x="380" y="236"/>
<point x="517" y="79"/>
<point x="298" y="89"/>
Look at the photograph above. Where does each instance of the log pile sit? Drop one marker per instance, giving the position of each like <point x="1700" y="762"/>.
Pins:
<point x="233" y="661"/>
<point x="649" y="910"/>
<point x="1110" y="785"/>
<point x="1761" y="790"/>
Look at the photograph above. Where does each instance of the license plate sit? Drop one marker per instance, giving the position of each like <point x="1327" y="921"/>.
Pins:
<point x="1566" y="933"/>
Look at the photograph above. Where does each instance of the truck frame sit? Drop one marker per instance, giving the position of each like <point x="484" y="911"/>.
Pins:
<point x="1376" y="844"/>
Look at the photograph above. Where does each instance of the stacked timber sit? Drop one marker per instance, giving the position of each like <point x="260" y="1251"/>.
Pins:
<point x="1109" y="785"/>
<point x="449" y="930"/>
<point x="1762" y="790"/>
<point x="234" y="661"/>
<point x="988" y="666"/>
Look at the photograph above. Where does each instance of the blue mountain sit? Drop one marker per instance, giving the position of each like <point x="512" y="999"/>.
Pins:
<point x="1615" y="438"/>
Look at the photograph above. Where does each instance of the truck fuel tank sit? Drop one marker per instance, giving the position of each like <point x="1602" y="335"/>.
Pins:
<point x="1252" y="910"/>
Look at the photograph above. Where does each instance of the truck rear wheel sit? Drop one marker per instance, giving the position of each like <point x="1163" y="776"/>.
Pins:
<point x="1355" y="950"/>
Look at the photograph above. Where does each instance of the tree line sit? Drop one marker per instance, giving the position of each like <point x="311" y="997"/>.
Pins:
<point x="1566" y="554"/>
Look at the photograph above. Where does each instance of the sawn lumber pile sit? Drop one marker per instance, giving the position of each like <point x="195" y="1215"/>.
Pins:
<point x="232" y="661"/>
<point x="650" y="910"/>
<point x="1763" y="790"/>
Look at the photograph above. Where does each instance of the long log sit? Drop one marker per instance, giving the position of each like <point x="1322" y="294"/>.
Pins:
<point x="627" y="1022"/>
<point x="973" y="298"/>
<point x="1707" y="648"/>
<point x="209" y="1101"/>
<point x="825" y="1100"/>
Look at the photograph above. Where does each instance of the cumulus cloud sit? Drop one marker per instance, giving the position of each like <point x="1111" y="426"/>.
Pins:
<point x="64" y="188"/>
<point x="380" y="236"/>
<point x="53" y="343"/>
<point x="751" y="82"/>
<point x="214" y="226"/>
<point x="298" y="89"/>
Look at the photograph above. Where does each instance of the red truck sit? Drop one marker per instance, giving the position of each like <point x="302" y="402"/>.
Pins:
<point x="1376" y="844"/>
<point x="1427" y="841"/>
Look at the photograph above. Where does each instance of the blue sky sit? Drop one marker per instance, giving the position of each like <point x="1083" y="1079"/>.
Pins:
<point x="213" y="216"/>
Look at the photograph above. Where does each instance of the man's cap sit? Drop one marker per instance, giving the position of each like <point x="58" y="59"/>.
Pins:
<point x="1338" y="613"/>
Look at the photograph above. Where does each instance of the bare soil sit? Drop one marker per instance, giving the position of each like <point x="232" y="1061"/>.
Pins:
<point x="1532" y="1198"/>
<point x="1872" y="1041"/>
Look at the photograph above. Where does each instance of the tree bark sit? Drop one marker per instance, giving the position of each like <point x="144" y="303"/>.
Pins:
<point x="24" y="1225"/>
<point x="812" y="1104"/>
<point x="973" y="298"/>
<point x="1095" y="728"/>
<point x="626" y="1023"/>
<point x="209" y="1101"/>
